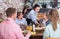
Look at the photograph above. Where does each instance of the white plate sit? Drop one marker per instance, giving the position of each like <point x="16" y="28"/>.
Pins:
<point x="40" y="28"/>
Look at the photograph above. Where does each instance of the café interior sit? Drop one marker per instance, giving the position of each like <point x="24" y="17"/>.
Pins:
<point x="25" y="7"/>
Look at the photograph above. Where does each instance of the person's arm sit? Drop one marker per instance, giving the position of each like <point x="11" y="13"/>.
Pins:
<point x="46" y="33"/>
<point x="20" y="35"/>
<point x="33" y="17"/>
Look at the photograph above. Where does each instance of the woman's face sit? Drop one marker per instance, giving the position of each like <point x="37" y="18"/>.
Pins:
<point x="37" y="9"/>
<point x="21" y="16"/>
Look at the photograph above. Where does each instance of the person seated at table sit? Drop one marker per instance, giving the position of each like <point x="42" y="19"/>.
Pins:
<point x="20" y="20"/>
<point x="9" y="29"/>
<point x="33" y="13"/>
<point x="45" y="21"/>
<point x="53" y="29"/>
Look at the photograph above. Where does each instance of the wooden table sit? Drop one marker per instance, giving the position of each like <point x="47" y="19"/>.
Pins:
<point x="39" y="34"/>
<point x="53" y="38"/>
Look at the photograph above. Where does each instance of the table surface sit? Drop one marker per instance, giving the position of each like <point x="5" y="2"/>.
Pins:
<point x="39" y="31"/>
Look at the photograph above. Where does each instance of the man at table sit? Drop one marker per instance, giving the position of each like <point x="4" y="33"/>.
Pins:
<point x="9" y="29"/>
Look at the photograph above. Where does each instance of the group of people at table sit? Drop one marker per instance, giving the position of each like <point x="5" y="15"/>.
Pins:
<point x="10" y="27"/>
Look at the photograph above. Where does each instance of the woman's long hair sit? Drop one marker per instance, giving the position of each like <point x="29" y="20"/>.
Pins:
<point x="52" y="15"/>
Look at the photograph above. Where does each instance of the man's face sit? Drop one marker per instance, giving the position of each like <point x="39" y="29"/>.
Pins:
<point x="37" y="9"/>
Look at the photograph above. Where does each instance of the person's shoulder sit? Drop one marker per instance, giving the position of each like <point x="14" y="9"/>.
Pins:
<point x="31" y="11"/>
<point x="15" y="24"/>
<point x="24" y="18"/>
<point x="58" y="25"/>
<point x="1" y="24"/>
<point x="49" y="26"/>
<point x="16" y="19"/>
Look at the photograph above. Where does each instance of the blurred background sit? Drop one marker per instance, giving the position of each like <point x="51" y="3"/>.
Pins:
<point x="19" y="4"/>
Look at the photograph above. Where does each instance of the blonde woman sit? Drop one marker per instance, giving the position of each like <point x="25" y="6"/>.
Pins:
<point x="53" y="29"/>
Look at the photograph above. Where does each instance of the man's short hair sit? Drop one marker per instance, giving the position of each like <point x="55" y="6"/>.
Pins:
<point x="10" y="11"/>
